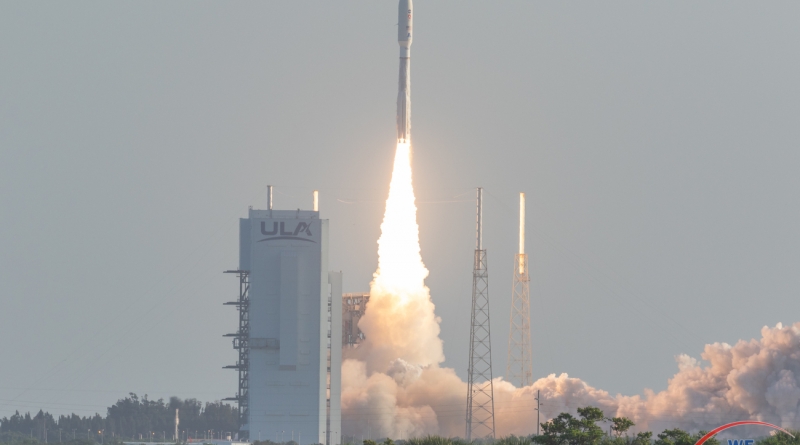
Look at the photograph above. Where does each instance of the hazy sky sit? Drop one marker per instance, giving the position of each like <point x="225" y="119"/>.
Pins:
<point x="657" y="143"/>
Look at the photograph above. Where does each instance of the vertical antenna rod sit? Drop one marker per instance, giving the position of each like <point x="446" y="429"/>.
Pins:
<point x="480" y="218"/>
<point x="522" y="223"/>
<point x="269" y="197"/>
<point x="480" y="389"/>
<point x="316" y="201"/>
<point x="519" y="368"/>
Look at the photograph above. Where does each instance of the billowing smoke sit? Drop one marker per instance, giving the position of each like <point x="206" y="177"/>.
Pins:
<point x="751" y="380"/>
<point x="393" y="386"/>
<point x="400" y="322"/>
<point x="392" y="381"/>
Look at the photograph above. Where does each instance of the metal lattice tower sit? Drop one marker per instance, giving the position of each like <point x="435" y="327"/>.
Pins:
<point x="241" y="342"/>
<point x="519" y="368"/>
<point x="480" y="390"/>
<point x="353" y="308"/>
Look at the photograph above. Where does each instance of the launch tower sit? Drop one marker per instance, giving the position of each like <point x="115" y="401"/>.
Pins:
<point x="289" y="306"/>
<point x="480" y="390"/>
<point x="519" y="366"/>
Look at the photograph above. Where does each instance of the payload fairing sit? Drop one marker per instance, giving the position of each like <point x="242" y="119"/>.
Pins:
<point x="404" y="32"/>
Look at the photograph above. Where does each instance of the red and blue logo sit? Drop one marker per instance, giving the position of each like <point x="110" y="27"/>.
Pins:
<point x="717" y="430"/>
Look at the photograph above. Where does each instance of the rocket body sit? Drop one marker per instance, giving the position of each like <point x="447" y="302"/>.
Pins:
<point x="404" y="33"/>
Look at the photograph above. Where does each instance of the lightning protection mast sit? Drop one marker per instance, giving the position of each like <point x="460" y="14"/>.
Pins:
<point x="480" y="391"/>
<point x="519" y="366"/>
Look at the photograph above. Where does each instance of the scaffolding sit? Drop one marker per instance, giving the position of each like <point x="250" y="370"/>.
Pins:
<point x="241" y="343"/>
<point x="353" y="307"/>
<point x="480" y="390"/>
<point x="519" y="368"/>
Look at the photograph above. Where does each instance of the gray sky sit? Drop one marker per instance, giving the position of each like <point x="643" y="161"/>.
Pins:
<point x="657" y="143"/>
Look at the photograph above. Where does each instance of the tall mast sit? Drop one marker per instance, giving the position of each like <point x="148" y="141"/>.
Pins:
<point x="519" y="367"/>
<point x="480" y="389"/>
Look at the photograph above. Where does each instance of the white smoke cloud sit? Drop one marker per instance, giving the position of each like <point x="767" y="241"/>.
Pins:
<point x="400" y="322"/>
<point x="393" y="386"/>
<point x="751" y="380"/>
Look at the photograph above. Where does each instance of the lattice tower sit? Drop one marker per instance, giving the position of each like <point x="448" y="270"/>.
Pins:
<point x="241" y="343"/>
<point x="480" y="390"/>
<point x="519" y="368"/>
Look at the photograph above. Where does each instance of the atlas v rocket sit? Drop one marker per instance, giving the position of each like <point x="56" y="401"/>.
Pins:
<point x="404" y="32"/>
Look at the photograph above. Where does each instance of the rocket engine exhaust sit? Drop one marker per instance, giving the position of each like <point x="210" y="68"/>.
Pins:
<point x="404" y="31"/>
<point x="393" y="384"/>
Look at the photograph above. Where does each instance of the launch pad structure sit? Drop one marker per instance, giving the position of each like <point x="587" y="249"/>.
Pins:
<point x="480" y="389"/>
<point x="240" y="342"/>
<point x="519" y="368"/>
<point x="289" y="311"/>
<point x="353" y="307"/>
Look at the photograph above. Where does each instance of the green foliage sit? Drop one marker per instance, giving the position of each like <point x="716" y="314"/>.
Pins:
<point x="565" y="429"/>
<point x="513" y="440"/>
<point x="621" y="425"/>
<point x="781" y="438"/>
<point x="677" y="436"/>
<point x="642" y="438"/>
<point x="131" y="418"/>
<point x="674" y="436"/>
<point x="369" y="442"/>
<point x="14" y="438"/>
<point x="591" y="414"/>
<point x="435" y="440"/>
<point x="612" y="440"/>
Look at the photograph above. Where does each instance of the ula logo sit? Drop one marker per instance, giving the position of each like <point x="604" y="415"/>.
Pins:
<point x="278" y="231"/>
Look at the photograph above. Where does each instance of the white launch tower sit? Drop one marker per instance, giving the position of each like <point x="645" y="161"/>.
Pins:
<point x="290" y="371"/>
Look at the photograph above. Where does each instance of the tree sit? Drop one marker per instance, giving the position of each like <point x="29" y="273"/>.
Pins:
<point x="130" y="417"/>
<point x="677" y="436"/>
<point x="565" y="429"/>
<point x="642" y="438"/>
<point x="780" y="438"/>
<point x="621" y="425"/>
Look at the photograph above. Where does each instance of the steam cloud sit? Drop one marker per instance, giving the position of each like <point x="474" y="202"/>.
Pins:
<point x="393" y="386"/>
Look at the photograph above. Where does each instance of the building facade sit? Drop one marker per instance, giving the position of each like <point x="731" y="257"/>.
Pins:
<point x="291" y="393"/>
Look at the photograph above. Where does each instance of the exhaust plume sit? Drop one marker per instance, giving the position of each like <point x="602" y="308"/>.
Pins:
<point x="400" y="323"/>
<point x="393" y="386"/>
<point x="402" y="349"/>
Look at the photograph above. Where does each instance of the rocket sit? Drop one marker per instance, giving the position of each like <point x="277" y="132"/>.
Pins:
<point x="404" y="32"/>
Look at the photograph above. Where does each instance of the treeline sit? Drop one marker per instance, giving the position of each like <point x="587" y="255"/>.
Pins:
<point x="131" y="418"/>
<point x="137" y="419"/>
<point x="566" y="429"/>
<point x="585" y="429"/>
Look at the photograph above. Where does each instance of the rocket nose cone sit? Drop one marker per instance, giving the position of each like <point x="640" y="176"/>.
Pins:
<point x="405" y="15"/>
